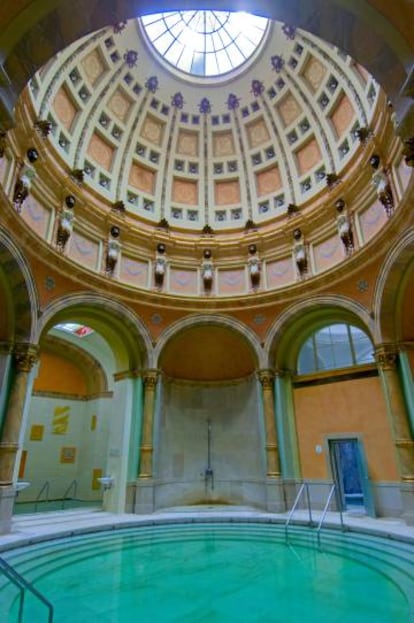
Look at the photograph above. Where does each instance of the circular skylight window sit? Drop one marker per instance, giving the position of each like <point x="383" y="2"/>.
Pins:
<point x="205" y="43"/>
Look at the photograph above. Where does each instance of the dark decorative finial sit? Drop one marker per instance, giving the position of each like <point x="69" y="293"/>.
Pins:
<point x="177" y="100"/>
<point x="43" y="127"/>
<point x="332" y="179"/>
<point x="250" y="225"/>
<point x="152" y="84"/>
<point x="119" y="207"/>
<point x="32" y="155"/>
<point x="363" y="134"/>
<point x="257" y="88"/>
<point x="70" y="201"/>
<point x="77" y="176"/>
<point x="207" y="230"/>
<point x="233" y="101"/>
<point x="163" y="224"/>
<point x="204" y="106"/>
<point x="292" y="210"/>
<point x="277" y="63"/>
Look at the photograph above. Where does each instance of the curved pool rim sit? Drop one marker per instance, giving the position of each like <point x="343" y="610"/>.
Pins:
<point x="129" y="524"/>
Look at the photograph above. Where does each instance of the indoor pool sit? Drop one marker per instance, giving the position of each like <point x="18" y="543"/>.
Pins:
<point x="216" y="572"/>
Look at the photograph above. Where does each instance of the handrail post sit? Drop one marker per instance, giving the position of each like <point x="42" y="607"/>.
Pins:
<point x="309" y="503"/>
<point x="22" y="584"/>
<point x="292" y="510"/>
<point x="325" y="510"/>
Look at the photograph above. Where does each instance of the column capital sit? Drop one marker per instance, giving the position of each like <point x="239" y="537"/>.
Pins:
<point x="6" y="348"/>
<point x="25" y="356"/>
<point x="150" y="377"/>
<point x="266" y="376"/>
<point x="386" y="356"/>
<point x="283" y="372"/>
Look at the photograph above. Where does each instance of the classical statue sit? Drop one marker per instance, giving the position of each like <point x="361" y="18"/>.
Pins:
<point x="381" y="183"/>
<point x="254" y="265"/>
<point x="25" y="179"/>
<point x="344" y="227"/>
<point x="299" y="252"/>
<point x="160" y="265"/>
<point x="207" y="268"/>
<point x="65" y="226"/>
<point x="113" y="250"/>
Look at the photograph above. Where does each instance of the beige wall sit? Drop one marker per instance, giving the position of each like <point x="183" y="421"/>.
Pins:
<point x="353" y="406"/>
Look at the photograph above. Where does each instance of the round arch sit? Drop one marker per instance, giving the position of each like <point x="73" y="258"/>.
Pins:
<point x="125" y="333"/>
<point x="293" y="326"/>
<point x="204" y="320"/>
<point x="32" y="36"/>
<point x="391" y="288"/>
<point x="20" y="302"/>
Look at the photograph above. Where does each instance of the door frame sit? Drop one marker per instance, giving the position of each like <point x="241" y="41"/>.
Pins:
<point x="368" y="501"/>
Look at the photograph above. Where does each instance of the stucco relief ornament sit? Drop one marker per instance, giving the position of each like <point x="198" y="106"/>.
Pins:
<point x="177" y="100"/>
<point x="289" y="31"/>
<point x="277" y="63"/>
<point x="43" y="127"/>
<point x="131" y="58"/>
<point x="204" y="106"/>
<point x="257" y="88"/>
<point x="233" y="101"/>
<point x="152" y="84"/>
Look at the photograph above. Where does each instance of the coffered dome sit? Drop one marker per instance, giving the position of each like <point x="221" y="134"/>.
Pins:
<point x="197" y="152"/>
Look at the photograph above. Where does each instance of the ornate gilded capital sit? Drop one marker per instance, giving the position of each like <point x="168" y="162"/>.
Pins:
<point x="25" y="356"/>
<point x="266" y="377"/>
<point x="150" y="378"/>
<point x="386" y="356"/>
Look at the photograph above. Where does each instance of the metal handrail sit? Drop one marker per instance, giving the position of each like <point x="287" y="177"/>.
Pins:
<point x="45" y="487"/>
<point x="325" y="510"/>
<point x="73" y="485"/>
<point x="22" y="584"/>
<point x="304" y="487"/>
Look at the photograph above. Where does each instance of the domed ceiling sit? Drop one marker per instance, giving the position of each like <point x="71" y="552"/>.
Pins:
<point x="197" y="150"/>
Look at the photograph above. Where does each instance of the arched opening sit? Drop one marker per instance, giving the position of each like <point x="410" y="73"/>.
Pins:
<point x="84" y="417"/>
<point x="332" y="412"/>
<point x="210" y="447"/>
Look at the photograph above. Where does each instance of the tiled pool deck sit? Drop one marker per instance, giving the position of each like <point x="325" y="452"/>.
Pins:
<point x="32" y="528"/>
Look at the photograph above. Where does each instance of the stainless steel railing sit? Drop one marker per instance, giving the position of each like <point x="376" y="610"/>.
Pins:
<point x="24" y="585"/>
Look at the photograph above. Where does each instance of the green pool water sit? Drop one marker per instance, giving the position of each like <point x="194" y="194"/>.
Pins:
<point x="216" y="573"/>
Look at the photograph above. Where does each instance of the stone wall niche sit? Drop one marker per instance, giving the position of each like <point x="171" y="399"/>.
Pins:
<point x="237" y="461"/>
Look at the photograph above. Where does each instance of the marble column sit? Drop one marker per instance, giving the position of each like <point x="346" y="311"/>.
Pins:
<point x="25" y="356"/>
<point x="387" y="357"/>
<point x="272" y="452"/>
<point x="286" y="425"/>
<point x="274" y="484"/>
<point x="150" y="379"/>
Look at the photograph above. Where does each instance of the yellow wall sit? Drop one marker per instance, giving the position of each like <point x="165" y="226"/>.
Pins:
<point x="59" y="375"/>
<point x="353" y="406"/>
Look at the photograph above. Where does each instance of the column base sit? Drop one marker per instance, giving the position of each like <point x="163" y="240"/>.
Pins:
<point x="7" y="496"/>
<point x="275" y="501"/>
<point x="407" y="499"/>
<point x="144" y="496"/>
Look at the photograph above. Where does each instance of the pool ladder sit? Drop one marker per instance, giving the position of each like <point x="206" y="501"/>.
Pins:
<point x="23" y="586"/>
<point x="305" y="488"/>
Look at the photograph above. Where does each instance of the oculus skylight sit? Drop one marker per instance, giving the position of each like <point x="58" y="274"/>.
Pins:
<point x="205" y="43"/>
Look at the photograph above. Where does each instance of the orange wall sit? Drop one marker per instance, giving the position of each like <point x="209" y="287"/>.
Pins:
<point x="352" y="406"/>
<point x="59" y="375"/>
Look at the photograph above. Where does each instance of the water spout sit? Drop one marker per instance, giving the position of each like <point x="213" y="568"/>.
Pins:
<point x="209" y="472"/>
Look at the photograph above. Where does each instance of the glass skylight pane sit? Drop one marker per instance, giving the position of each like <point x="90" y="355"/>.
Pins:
<point x="211" y="65"/>
<point x="202" y="32"/>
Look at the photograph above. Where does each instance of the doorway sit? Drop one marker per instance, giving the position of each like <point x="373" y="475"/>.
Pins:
<point x="350" y="474"/>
